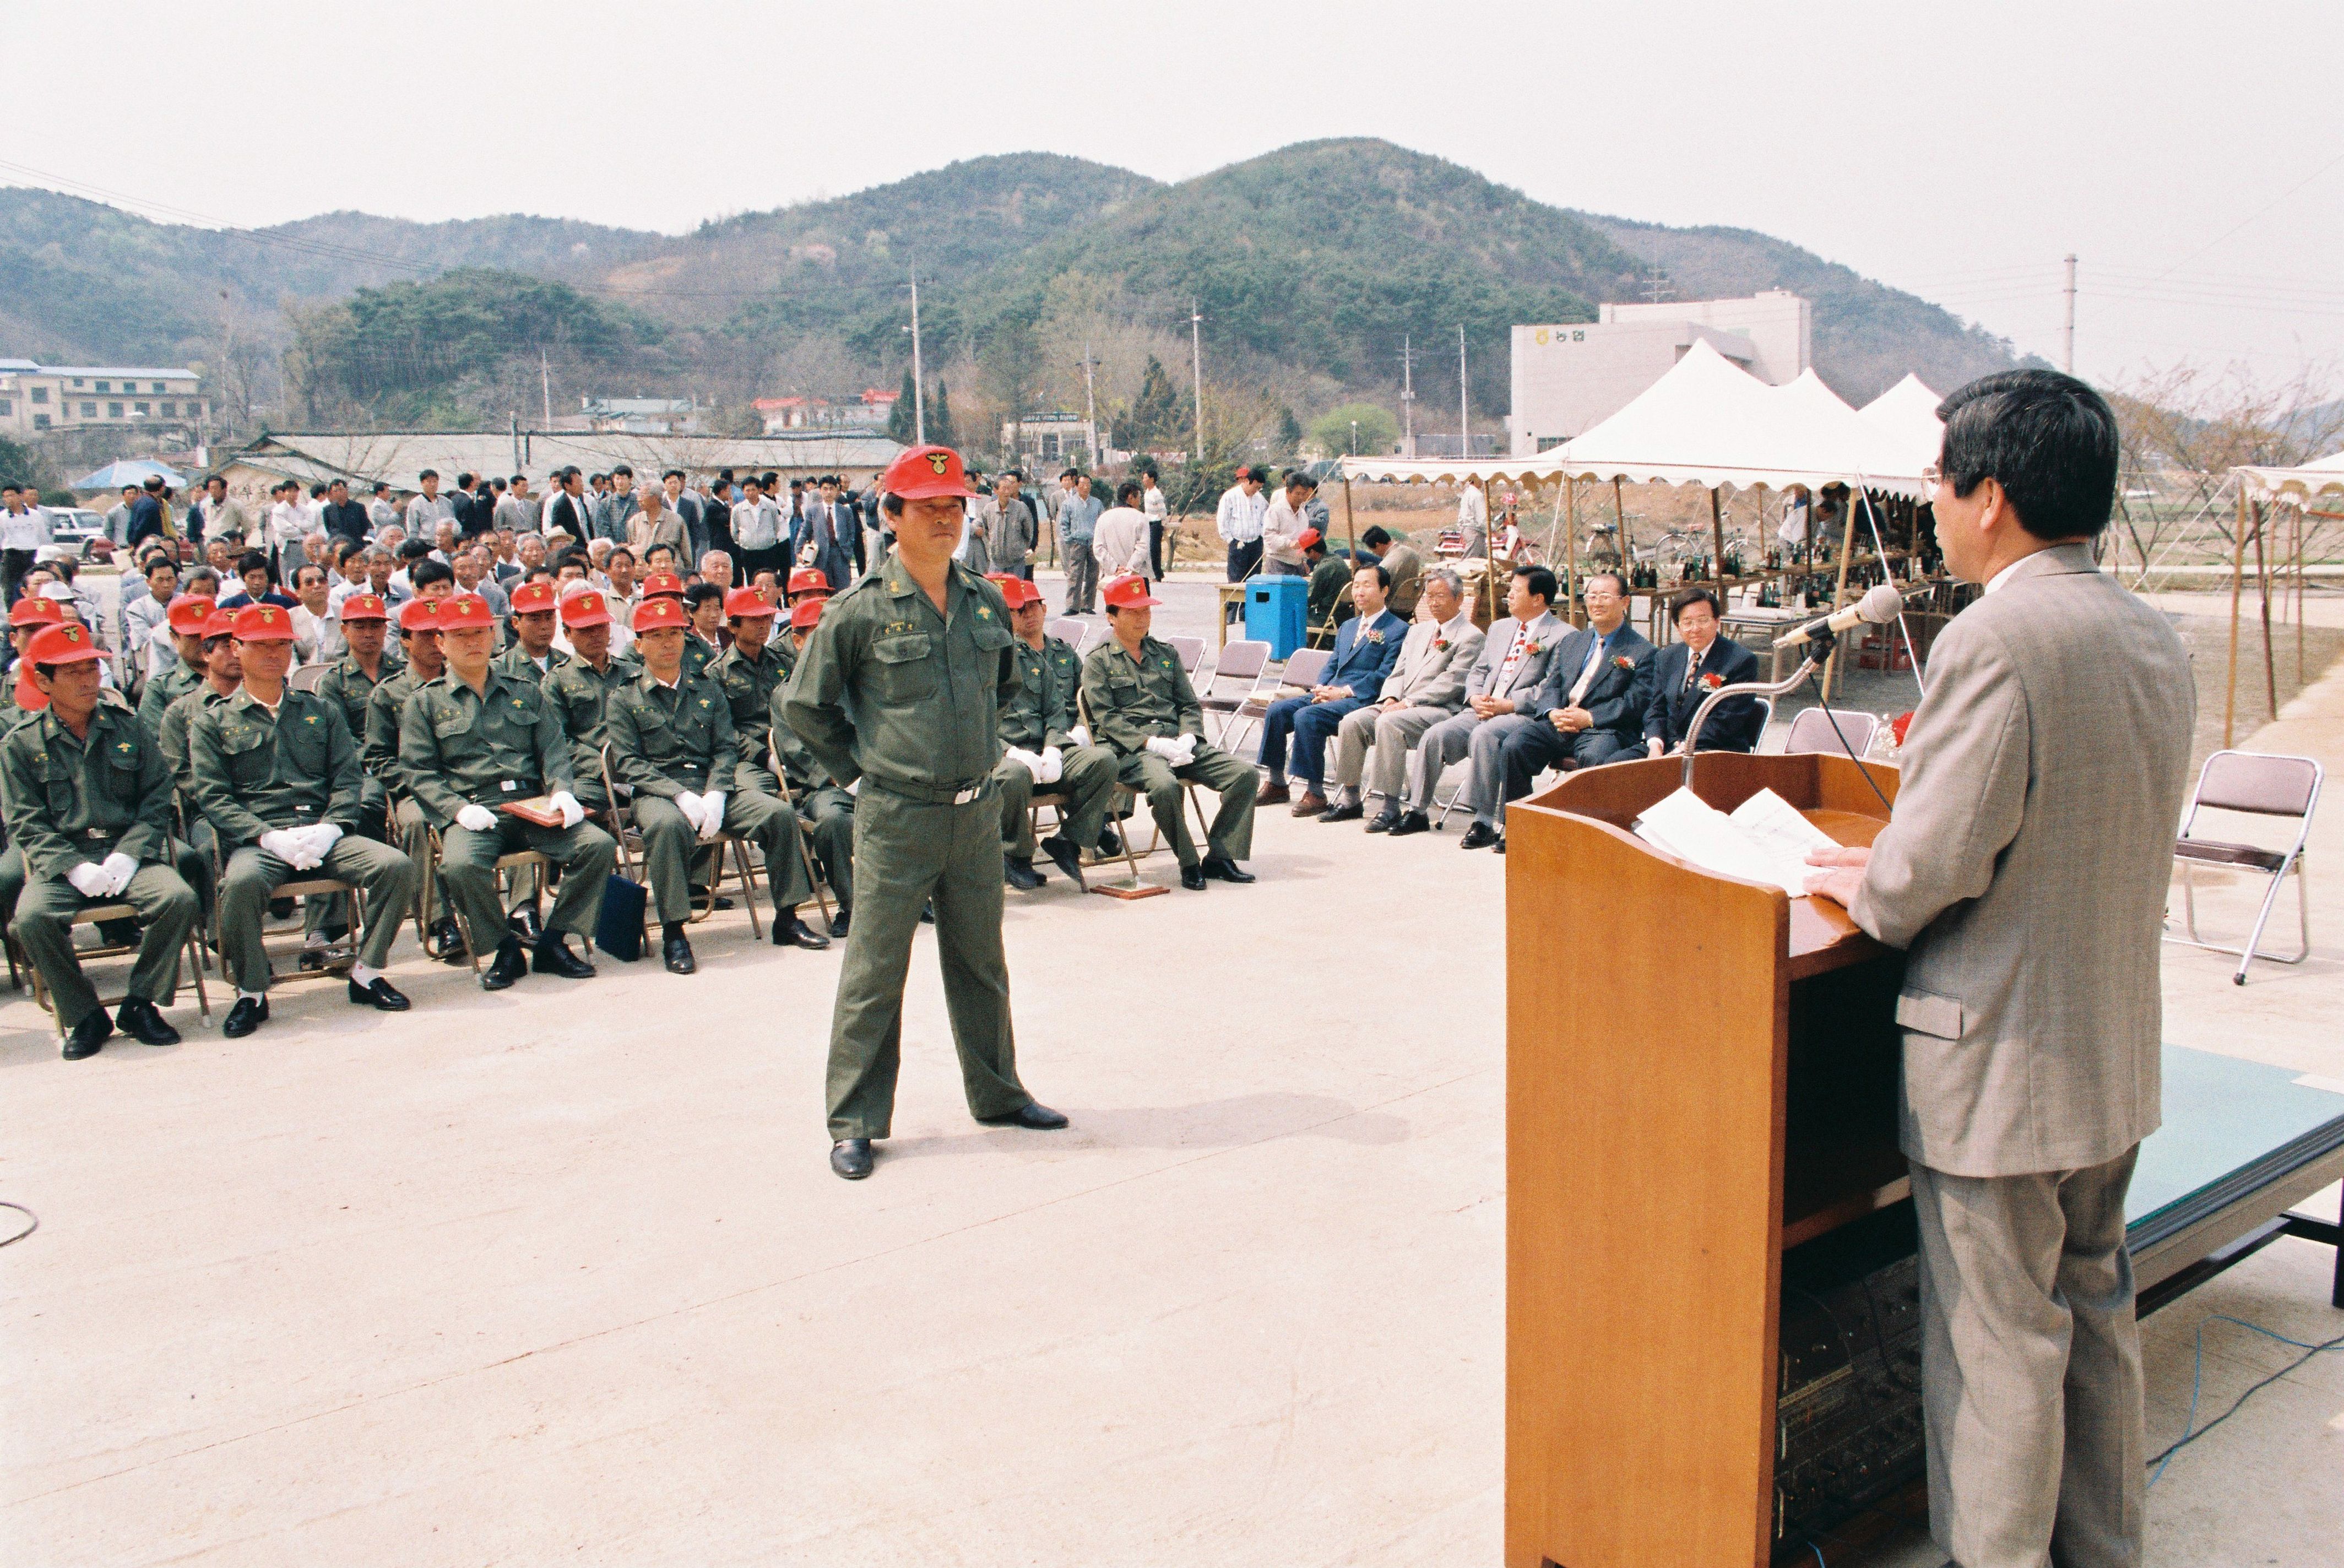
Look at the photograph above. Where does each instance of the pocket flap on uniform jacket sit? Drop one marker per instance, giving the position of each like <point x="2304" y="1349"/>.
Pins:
<point x="905" y="649"/>
<point x="1926" y="1013"/>
<point x="993" y="639"/>
<point x="235" y="738"/>
<point x="451" y="724"/>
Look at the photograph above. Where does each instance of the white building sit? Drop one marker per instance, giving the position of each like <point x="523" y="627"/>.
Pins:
<point x="1571" y="377"/>
<point x="1048" y="437"/>
<point x="35" y="397"/>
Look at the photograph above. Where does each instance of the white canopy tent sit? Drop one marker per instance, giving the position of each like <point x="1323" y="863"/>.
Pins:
<point x="2299" y="485"/>
<point x="1906" y="415"/>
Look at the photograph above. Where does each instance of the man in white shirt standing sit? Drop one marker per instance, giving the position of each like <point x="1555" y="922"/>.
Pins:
<point x="1119" y="538"/>
<point x="1295" y="511"/>
<point x="1473" y="517"/>
<point x="1159" y="513"/>
<point x="1239" y="522"/>
<point x="757" y="532"/>
<point x="24" y="529"/>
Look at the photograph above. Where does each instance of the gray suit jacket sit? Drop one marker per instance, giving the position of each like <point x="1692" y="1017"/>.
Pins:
<point x="2025" y="868"/>
<point x="1482" y="681"/>
<point x="1425" y="676"/>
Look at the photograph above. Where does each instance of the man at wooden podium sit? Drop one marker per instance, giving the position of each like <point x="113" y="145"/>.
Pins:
<point x="2024" y="868"/>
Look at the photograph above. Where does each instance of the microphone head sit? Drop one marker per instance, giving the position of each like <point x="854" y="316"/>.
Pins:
<point x="1881" y="604"/>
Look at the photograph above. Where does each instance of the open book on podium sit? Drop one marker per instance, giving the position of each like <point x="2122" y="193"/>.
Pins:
<point x="1701" y="1075"/>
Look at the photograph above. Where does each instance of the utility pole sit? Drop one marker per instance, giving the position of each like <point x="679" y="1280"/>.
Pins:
<point x="1464" y="417"/>
<point x="2067" y="340"/>
<point x="545" y="387"/>
<point x="1656" y="289"/>
<point x="1355" y="438"/>
<point x="1408" y="395"/>
<point x="1090" y="401"/>
<point x="919" y="392"/>
<point x="1197" y="364"/>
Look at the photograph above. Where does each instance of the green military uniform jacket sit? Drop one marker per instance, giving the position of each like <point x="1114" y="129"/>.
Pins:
<point x="1130" y="701"/>
<point x="697" y="655"/>
<point x="888" y="687"/>
<point x="177" y="719"/>
<point x="580" y="693"/>
<point x="515" y="662"/>
<point x="800" y="772"/>
<point x="1042" y="711"/>
<point x="665" y="740"/>
<point x="347" y="683"/>
<point x="250" y="773"/>
<point x="165" y="689"/>
<point x="1329" y="593"/>
<point x="73" y="800"/>
<point x="459" y="747"/>
<point x="749" y="687"/>
<point x="378" y="743"/>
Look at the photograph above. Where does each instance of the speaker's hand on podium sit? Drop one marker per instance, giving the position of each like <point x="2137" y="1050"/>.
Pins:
<point x="1843" y="876"/>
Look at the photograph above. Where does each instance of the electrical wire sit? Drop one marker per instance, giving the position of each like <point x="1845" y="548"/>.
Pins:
<point x="32" y="1223"/>
<point x="2191" y="1431"/>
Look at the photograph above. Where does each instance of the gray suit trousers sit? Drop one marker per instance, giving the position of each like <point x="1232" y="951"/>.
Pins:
<point x="2030" y="1366"/>
<point x="1489" y="771"/>
<point x="1393" y="735"/>
<point x="1437" y="750"/>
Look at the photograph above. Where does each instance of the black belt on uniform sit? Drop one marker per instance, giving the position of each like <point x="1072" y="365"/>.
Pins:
<point x="931" y="795"/>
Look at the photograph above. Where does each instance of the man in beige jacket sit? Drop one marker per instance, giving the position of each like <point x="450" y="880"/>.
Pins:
<point x="1426" y="686"/>
<point x="2024" y="870"/>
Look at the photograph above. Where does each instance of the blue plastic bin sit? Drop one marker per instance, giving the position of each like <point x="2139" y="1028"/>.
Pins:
<point x="1278" y="611"/>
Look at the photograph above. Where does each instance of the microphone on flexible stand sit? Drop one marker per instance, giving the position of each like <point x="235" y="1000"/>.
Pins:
<point x="1878" y="607"/>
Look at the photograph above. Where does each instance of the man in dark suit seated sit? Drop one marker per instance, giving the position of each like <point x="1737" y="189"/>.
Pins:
<point x="1689" y="670"/>
<point x="1365" y="651"/>
<point x="1590" y="707"/>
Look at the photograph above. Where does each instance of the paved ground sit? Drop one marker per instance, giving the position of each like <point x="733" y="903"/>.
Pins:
<point x="561" y="1274"/>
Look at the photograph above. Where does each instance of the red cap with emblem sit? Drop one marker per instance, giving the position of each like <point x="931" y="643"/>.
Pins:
<point x="1015" y="592"/>
<point x="463" y="612"/>
<point x="532" y="598"/>
<point x="34" y="611"/>
<point x="663" y="585"/>
<point x="263" y="623"/>
<point x="1306" y="538"/>
<point x="585" y="608"/>
<point x="805" y="613"/>
<point x="187" y="615"/>
<point x="925" y="472"/>
<point x="659" y="614"/>
<point x="219" y="623"/>
<point x="1127" y="593"/>
<point x="419" y="615"/>
<point x="809" y="579"/>
<point x="364" y="607"/>
<point x="742" y="603"/>
<point x="61" y="644"/>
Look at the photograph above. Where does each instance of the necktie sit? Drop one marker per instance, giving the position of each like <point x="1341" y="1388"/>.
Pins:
<point x="1587" y="674"/>
<point x="1692" y="669"/>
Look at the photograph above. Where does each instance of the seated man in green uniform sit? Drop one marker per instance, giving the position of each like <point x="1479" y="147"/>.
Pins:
<point x="825" y="808"/>
<point x="476" y="739"/>
<point x="580" y="688"/>
<point x="1048" y="747"/>
<point x="223" y="678"/>
<point x="409" y="826"/>
<point x="532" y="656"/>
<point x="1329" y="593"/>
<point x="1140" y="703"/>
<point x="751" y="671"/>
<point x="350" y="681"/>
<point x="671" y="748"/>
<point x="277" y="773"/>
<point x="89" y="812"/>
<point x="186" y="616"/>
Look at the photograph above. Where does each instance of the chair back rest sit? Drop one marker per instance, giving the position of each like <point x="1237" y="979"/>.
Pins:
<point x="1305" y="665"/>
<point x="1192" y="653"/>
<point x="1069" y="629"/>
<point x="2254" y="781"/>
<point x="1812" y="732"/>
<point x="307" y="677"/>
<point x="1244" y="660"/>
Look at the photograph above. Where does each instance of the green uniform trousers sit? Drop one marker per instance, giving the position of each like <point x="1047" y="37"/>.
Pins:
<point x="1236" y="782"/>
<point x="332" y="913"/>
<point x="908" y="852"/>
<point x="1088" y="779"/>
<point x="827" y="813"/>
<point x="669" y="845"/>
<point x="191" y="860"/>
<point x="384" y="875"/>
<point x="42" y="926"/>
<point x="467" y="871"/>
<point x="756" y="775"/>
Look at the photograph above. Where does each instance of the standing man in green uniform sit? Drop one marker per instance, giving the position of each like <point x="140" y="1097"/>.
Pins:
<point x="1048" y="748"/>
<point x="471" y="740"/>
<point x="751" y="671"/>
<point x="1139" y="699"/>
<point x="90" y="811"/>
<point x="276" y="773"/>
<point x="899" y="692"/>
<point x="826" y="807"/>
<point x="671" y="746"/>
<point x="580" y="688"/>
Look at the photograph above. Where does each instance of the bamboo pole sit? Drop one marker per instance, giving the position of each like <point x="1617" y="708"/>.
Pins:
<point x="1839" y="589"/>
<point x="2237" y="581"/>
<point x="1717" y="542"/>
<point x="1569" y="543"/>
<point x="1350" y="524"/>
<point x="2262" y="574"/>
<point x="1627" y="547"/>
<point x="1489" y="554"/>
<point x="2299" y="596"/>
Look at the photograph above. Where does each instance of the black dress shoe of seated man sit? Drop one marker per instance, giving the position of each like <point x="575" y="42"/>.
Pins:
<point x="379" y="993"/>
<point x="88" y="1036"/>
<point x="1481" y="835"/>
<point x="1348" y="811"/>
<point x="138" y="1018"/>
<point x="554" y="957"/>
<point x="248" y="1014"/>
<point x="1019" y="874"/>
<point x="1385" y="821"/>
<point x="1033" y="1114"/>
<point x="1410" y="822"/>
<point x="1066" y="856"/>
<point x="675" y="952"/>
<point x="851" y="1157"/>
<point x="1192" y="878"/>
<point x="790" y="931"/>
<point x="510" y="963"/>
<point x="1227" y="870"/>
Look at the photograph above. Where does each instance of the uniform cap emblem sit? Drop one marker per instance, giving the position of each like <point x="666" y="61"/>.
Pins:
<point x="938" y="462"/>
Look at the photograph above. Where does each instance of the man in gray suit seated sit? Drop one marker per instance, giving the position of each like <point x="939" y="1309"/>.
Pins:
<point x="1427" y="684"/>
<point x="1513" y="662"/>
<point x="2025" y="871"/>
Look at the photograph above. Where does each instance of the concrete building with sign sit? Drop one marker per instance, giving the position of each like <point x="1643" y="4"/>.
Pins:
<point x="1570" y="377"/>
<point x="34" y="397"/>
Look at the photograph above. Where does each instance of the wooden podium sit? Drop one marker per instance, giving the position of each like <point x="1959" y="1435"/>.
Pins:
<point x="1701" y="1072"/>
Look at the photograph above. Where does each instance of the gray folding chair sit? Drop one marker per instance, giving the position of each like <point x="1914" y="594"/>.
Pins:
<point x="2259" y="786"/>
<point x="1069" y="629"/>
<point x="1192" y="654"/>
<point x="1303" y="668"/>
<point x="1243" y="660"/>
<point x="1812" y="732"/>
<point x="307" y="677"/>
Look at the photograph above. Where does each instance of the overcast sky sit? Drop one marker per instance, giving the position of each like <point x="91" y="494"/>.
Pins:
<point x="2189" y="154"/>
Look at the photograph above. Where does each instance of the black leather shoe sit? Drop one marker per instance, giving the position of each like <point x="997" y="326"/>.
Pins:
<point x="1034" y="1114"/>
<point x="842" y="920"/>
<point x="248" y="1014"/>
<point x="1385" y="821"/>
<point x="1192" y="878"/>
<point x="88" y="1036"/>
<point x="1343" y="814"/>
<point x="1410" y="822"/>
<point x="523" y="923"/>
<point x="1222" y="867"/>
<point x="138" y="1018"/>
<point x="676" y="954"/>
<point x="554" y="957"/>
<point x="852" y="1157"/>
<point x="314" y="956"/>
<point x="379" y="993"/>
<point x="510" y="964"/>
<point x="1066" y="856"/>
<point x="1019" y="874"/>
<point x="700" y="897"/>
<point x="1110" y="842"/>
<point x="1502" y="843"/>
<point x="789" y="931"/>
<point x="444" y="942"/>
<point x="1481" y="835"/>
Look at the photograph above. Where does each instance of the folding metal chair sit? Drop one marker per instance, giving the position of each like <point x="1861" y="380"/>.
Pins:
<point x="1071" y="628"/>
<point x="101" y="914"/>
<point x="732" y="851"/>
<point x="1303" y="668"/>
<point x="307" y="677"/>
<point x="821" y="889"/>
<point x="1811" y="731"/>
<point x="334" y="957"/>
<point x="2260" y="786"/>
<point x="1192" y="654"/>
<point x="1245" y="660"/>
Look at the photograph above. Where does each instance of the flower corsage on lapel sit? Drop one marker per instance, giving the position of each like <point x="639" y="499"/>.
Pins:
<point x="1712" y="681"/>
<point x="1621" y="661"/>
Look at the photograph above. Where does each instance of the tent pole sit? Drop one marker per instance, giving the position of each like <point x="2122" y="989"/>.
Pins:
<point x="2238" y="579"/>
<point x="1839" y="589"/>
<point x="1489" y="552"/>
<point x="1570" y="545"/>
<point x="1717" y="541"/>
<point x="1350" y="525"/>
<point x="2299" y="596"/>
<point x="2262" y="573"/>
<point x="1627" y="546"/>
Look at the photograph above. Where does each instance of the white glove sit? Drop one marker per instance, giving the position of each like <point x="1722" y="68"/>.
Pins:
<point x="1187" y="747"/>
<point x="321" y="839"/>
<point x="1054" y="765"/>
<point x="1080" y="735"/>
<point x="1164" y="748"/>
<point x="287" y="846"/>
<point x="562" y="801"/>
<point x="90" y="880"/>
<point x="712" y="811"/>
<point x="476" y="819"/>
<point x="693" y="809"/>
<point x="119" y="869"/>
<point x="1031" y="762"/>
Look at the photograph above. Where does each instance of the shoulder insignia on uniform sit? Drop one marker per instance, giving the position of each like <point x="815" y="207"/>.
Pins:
<point x="704" y="702"/>
<point x="313" y="718"/>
